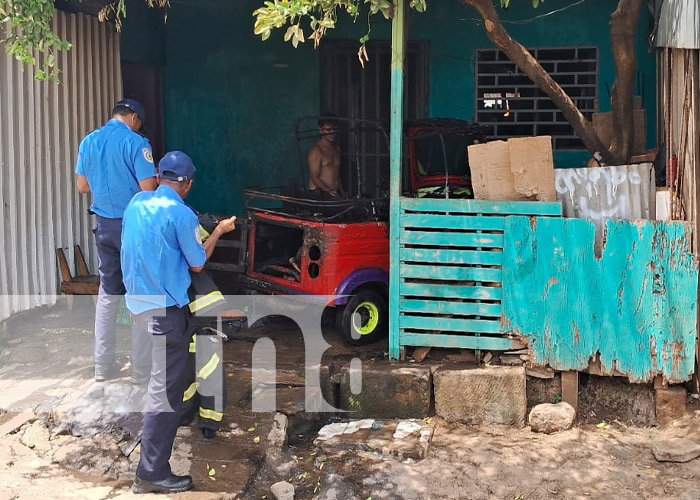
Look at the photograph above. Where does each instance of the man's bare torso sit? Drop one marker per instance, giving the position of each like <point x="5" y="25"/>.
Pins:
<point x="325" y="156"/>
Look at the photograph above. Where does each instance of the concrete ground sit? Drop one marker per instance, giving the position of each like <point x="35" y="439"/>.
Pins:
<point x="57" y="442"/>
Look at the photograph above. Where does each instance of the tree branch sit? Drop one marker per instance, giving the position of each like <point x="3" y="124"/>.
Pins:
<point x="623" y="29"/>
<point x="529" y="65"/>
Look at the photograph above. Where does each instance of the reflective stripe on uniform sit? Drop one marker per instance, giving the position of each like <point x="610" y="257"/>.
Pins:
<point x="203" y="234"/>
<point x="190" y="392"/>
<point x="211" y="414"/>
<point x="209" y="368"/>
<point x="193" y="345"/>
<point x="206" y="300"/>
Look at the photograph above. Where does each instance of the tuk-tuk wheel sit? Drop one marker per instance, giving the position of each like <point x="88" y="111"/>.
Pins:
<point x="365" y="318"/>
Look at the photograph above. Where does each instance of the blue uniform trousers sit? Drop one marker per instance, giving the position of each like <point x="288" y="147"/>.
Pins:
<point x="168" y="379"/>
<point x="108" y="237"/>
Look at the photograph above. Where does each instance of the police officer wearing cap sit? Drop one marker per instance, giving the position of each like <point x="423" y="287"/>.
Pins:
<point x="160" y="246"/>
<point x="114" y="163"/>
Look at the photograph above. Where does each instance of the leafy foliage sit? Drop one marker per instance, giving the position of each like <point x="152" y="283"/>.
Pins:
<point x="322" y="15"/>
<point x="29" y="35"/>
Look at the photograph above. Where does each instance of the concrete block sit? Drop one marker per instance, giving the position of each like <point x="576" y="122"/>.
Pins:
<point x="388" y="391"/>
<point x="493" y="395"/>
<point x="670" y="404"/>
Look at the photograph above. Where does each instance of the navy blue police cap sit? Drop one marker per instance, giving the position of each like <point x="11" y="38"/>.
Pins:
<point x="176" y="166"/>
<point x="133" y="105"/>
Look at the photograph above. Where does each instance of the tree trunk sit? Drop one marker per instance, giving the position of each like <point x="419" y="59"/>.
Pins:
<point x="529" y="65"/>
<point x="623" y="29"/>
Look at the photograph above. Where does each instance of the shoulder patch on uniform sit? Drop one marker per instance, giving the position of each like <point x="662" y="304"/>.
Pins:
<point x="148" y="155"/>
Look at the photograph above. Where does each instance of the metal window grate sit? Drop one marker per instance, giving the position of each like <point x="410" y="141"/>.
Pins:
<point x="509" y="101"/>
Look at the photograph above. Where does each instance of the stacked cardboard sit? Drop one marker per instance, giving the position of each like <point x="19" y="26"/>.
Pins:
<point x="517" y="169"/>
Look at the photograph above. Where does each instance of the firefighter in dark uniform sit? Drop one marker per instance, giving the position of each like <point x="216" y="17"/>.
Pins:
<point x="206" y="392"/>
<point x="160" y="246"/>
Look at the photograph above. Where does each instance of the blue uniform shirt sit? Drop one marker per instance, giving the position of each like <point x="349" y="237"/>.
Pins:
<point x="114" y="159"/>
<point x="160" y="242"/>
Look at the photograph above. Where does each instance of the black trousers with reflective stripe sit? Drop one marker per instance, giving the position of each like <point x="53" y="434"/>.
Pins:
<point x="206" y="371"/>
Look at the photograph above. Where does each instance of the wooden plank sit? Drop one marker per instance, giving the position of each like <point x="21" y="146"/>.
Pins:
<point x="481" y="206"/>
<point x="638" y="315"/>
<point x="420" y="353"/>
<point x="450" y="256"/>
<point x="80" y="264"/>
<point x="459" y="341"/>
<point x="399" y="34"/>
<point x="433" y="323"/>
<point x="63" y="266"/>
<point x="445" y="307"/>
<point x="569" y="388"/>
<point x="474" y="223"/>
<point x="471" y="240"/>
<point x="450" y="291"/>
<point x="450" y="273"/>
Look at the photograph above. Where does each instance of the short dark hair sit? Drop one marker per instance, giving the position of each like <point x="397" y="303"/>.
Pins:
<point x="328" y="119"/>
<point x="122" y="111"/>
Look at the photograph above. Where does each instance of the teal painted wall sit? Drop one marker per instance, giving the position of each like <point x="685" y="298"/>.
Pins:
<point x="455" y="31"/>
<point x="635" y="307"/>
<point x="231" y="100"/>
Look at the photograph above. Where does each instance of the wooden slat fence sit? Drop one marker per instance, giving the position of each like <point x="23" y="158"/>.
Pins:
<point x="450" y="272"/>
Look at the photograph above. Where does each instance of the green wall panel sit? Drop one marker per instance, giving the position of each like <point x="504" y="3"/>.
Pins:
<point x="455" y="31"/>
<point x="143" y="34"/>
<point x="231" y="100"/>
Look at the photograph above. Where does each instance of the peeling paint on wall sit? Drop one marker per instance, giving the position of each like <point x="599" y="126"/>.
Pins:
<point x="634" y="307"/>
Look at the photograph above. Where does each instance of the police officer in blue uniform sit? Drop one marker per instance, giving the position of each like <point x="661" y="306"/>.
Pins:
<point x="114" y="163"/>
<point x="160" y="246"/>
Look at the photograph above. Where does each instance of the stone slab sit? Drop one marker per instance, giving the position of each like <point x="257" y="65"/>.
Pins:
<point x="388" y="391"/>
<point x="675" y="450"/>
<point x="492" y="395"/>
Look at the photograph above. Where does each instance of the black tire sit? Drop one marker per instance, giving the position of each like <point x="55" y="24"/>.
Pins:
<point x="370" y="312"/>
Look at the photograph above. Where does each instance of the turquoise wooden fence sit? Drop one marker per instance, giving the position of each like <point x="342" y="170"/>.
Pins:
<point x="634" y="307"/>
<point x="450" y="267"/>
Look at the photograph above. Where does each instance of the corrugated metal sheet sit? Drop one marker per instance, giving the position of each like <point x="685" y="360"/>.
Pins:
<point x="679" y="24"/>
<point x="607" y="193"/>
<point x="41" y="125"/>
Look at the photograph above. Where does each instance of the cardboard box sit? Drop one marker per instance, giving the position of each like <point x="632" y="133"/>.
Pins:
<point x="519" y="169"/>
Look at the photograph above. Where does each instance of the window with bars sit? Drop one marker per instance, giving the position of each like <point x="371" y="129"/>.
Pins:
<point x="509" y="101"/>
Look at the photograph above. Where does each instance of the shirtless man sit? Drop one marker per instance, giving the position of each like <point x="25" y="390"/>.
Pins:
<point x="324" y="161"/>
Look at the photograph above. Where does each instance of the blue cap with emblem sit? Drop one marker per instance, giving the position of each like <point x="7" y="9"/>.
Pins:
<point x="176" y="166"/>
<point x="133" y="105"/>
